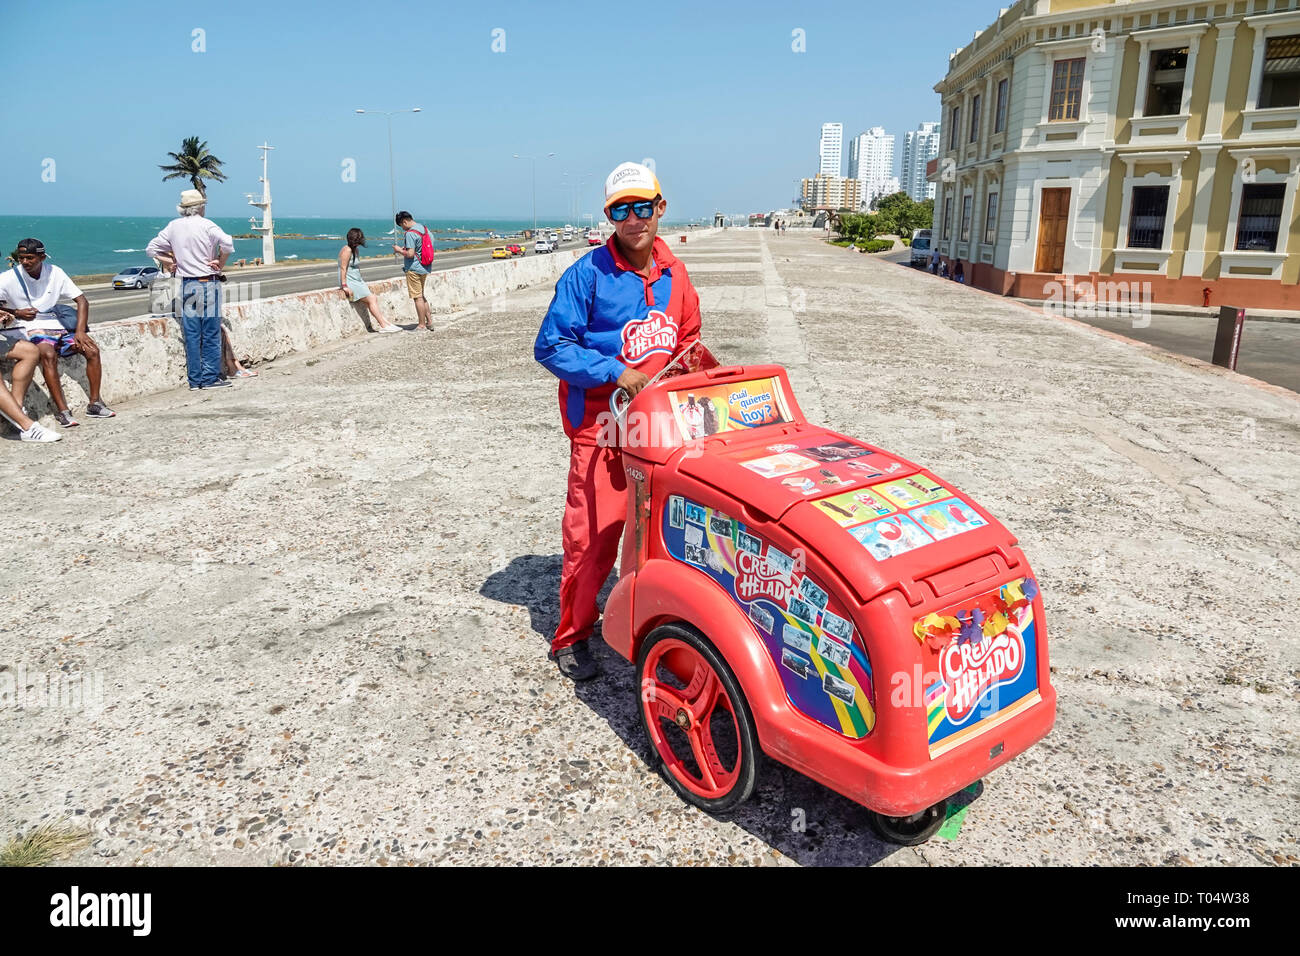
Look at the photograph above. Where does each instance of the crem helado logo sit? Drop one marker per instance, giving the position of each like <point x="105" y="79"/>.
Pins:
<point x="655" y="333"/>
<point x="969" y="670"/>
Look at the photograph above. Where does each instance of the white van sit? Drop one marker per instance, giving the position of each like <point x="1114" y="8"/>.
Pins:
<point x="921" y="248"/>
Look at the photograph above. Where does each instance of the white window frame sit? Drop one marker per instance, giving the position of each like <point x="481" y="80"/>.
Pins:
<point x="1272" y="261"/>
<point x="1157" y="257"/>
<point x="1265" y="26"/>
<point x="1164" y="39"/>
<point x="1072" y="49"/>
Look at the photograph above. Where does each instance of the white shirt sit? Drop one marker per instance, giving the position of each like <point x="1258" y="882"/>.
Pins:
<point x="193" y="240"/>
<point x="45" y="293"/>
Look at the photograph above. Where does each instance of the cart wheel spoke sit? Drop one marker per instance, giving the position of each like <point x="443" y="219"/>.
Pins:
<point x="664" y="702"/>
<point x="705" y="757"/>
<point x="702" y="692"/>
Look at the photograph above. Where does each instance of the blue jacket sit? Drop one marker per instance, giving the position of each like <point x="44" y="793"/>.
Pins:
<point x="606" y="318"/>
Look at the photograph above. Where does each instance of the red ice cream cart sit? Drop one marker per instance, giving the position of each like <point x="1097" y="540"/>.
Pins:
<point x="790" y="591"/>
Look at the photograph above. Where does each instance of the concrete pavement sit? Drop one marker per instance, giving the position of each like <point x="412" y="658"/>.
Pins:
<point x="1270" y="345"/>
<point x="317" y="604"/>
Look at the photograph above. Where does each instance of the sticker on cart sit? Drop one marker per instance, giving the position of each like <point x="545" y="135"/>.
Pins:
<point x="833" y="651"/>
<point x="838" y="688"/>
<point x="774" y="466"/>
<point x="877" y="466"/>
<point x="802" y="610"/>
<point x="762" y="617"/>
<point x="835" y="451"/>
<point x="889" y="537"/>
<point x="913" y="491"/>
<point x="710" y="409"/>
<point x="854" y="507"/>
<point x="947" y="518"/>
<point x="676" y="510"/>
<point x="801" y="484"/>
<point x="797" y="638"/>
<point x="837" y="626"/>
<point x="779" y="563"/>
<point x="987" y="663"/>
<point x="811" y="593"/>
<point x="721" y="524"/>
<point x="794" y="662"/>
<point x="801" y="623"/>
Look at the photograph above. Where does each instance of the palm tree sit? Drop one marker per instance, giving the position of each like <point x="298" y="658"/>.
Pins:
<point x="195" y="162"/>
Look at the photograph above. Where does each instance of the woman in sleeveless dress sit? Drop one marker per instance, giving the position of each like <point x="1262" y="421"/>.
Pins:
<point x="354" y="287"/>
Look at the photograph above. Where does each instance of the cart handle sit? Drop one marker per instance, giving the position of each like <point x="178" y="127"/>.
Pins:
<point x="695" y="353"/>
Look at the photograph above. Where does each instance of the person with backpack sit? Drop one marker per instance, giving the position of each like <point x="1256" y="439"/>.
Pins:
<point x="417" y="248"/>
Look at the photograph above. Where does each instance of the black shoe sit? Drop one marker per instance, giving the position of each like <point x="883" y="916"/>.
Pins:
<point x="575" y="662"/>
<point x="219" y="383"/>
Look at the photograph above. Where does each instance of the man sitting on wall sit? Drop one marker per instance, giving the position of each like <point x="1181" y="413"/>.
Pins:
<point x="32" y="291"/>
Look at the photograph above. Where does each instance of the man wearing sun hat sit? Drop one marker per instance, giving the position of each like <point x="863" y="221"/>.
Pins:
<point x="619" y="315"/>
<point x="199" y="249"/>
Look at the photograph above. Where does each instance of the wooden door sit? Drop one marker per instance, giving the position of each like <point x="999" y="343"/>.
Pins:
<point x="1053" y="218"/>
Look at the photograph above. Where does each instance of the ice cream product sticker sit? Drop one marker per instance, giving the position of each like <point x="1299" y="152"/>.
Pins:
<point x="889" y="537"/>
<point x="943" y="519"/>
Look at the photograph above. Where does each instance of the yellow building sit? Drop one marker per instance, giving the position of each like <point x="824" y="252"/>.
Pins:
<point x="1153" y="141"/>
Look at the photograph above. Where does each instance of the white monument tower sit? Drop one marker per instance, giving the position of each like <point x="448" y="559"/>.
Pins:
<point x="267" y="228"/>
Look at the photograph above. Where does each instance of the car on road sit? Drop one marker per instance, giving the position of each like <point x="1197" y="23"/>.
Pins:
<point x="593" y="238"/>
<point x="515" y="249"/>
<point x="545" y="244"/>
<point x="500" y="252"/>
<point x="137" y="277"/>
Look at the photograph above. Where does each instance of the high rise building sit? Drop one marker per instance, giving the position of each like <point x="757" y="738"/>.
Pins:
<point x="919" y="147"/>
<point x="831" y="149"/>
<point x="830" y="192"/>
<point x="871" y="161"/>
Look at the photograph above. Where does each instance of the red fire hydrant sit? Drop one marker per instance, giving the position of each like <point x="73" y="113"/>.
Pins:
<point x="1205" y="296"/>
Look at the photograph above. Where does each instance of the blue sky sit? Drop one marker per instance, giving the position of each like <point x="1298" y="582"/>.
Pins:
<point x="712" y="92"/>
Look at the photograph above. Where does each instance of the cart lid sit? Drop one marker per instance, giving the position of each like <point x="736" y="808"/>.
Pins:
<point x="879" y="520"/>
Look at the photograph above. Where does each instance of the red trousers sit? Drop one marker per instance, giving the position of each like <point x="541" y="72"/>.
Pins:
<point x="595" y="508"/>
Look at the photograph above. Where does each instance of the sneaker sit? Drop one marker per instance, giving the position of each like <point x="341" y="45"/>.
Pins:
<point x="100" y="410"/>
<point x="66" y="420"/>
<point x="219" y="383"/>
<point x="575" y="662"/>
<point x="37" y="433"/>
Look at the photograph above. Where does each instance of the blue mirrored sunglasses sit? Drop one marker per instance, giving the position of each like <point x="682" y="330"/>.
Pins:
<point x="644" y="209"/>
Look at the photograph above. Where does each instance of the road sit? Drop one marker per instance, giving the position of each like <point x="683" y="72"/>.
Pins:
<point x="1268" y="349"/>
<point x="108" y="304"/>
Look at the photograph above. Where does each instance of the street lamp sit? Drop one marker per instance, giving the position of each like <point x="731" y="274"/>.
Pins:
<point x="392" y="188"/>
<point x="533" y="159"/>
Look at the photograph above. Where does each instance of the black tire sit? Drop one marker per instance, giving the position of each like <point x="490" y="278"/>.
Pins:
<point x="913" y="830"/>
<point x="748" y="755"/>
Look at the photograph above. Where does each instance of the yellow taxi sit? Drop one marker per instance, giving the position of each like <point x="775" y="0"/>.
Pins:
<point x="500" y="252"/>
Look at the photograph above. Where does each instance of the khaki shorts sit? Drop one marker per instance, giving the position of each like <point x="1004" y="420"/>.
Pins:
<point x="415" y="284"/>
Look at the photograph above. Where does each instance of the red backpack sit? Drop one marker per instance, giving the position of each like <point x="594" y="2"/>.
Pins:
<point x="426" y="249"/>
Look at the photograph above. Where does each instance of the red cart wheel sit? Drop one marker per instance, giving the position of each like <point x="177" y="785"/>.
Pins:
<point x="696" y="716"/>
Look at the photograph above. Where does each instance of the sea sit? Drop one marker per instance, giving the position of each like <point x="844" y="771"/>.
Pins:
<point x="92" y="245"/>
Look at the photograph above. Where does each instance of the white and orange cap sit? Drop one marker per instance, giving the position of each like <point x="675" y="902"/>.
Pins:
<point x="630" y="181"/>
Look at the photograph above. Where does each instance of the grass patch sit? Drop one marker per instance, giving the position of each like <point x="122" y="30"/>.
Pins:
<point x="48" y="842"/>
